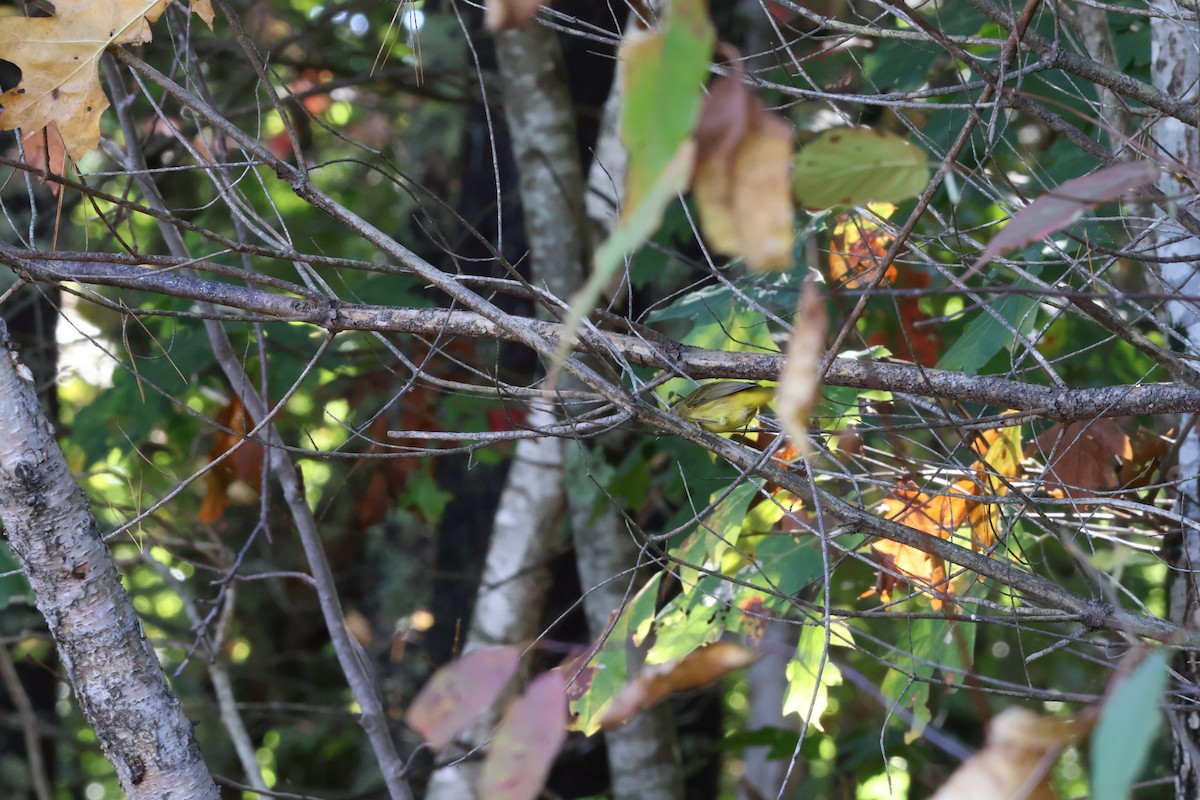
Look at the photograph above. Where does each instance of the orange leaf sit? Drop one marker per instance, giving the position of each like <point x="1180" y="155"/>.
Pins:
<point x="460" y="691"/>
<point x="857" y="246"/>
<point x="45" y="150"/>
<point x="936" y="514"/>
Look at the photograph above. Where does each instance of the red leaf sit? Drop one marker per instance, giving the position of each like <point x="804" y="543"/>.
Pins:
<point x="1059" y="207"/>
<point x="527" y="740"/>
<point x="460" y="691"/>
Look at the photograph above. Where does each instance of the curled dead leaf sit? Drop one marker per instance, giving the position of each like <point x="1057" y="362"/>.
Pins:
<point x="1015" y="762"/>
<point x="800" y="380"/>
<point x="742" y="180"/>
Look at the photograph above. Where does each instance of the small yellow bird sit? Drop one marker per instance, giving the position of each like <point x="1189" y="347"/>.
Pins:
<point x="723" y="406"/>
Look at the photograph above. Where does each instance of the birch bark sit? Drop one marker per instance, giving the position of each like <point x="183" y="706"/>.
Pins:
<point x="113" y="669"/>
<point x="1175" y="67"/>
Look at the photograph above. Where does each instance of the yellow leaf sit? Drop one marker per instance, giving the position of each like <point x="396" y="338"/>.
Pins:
<point x="1000" y="464"/>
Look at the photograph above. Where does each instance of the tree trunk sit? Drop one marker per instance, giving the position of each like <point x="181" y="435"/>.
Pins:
<point x="112" y="668"/>
<point x="643" y="757"/>
<point x="1175" y="65"/>
<point x="529" y="520"/>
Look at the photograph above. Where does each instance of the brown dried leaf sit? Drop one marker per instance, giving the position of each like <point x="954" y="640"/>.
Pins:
<point x="1148" y="451"/>
<point x="1021" y="748"/>
<point x="1083" y="457"/>
<point x="762" y="192"/>
<point x="800" y="381"/>
<point x="460" y="691"/>
<point x="241" y="471"/>
<point x="742" y="180"/>
<point x="59" y="61"/>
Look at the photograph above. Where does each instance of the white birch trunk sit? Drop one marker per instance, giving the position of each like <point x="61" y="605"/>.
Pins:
<point x="1175" y="66"/>
<point x="643" y="758"/>
<point x="116" y="676"/>
<point x="529" y="520"/>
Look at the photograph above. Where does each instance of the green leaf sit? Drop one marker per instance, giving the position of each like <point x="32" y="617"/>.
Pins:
<point x="664" y="82"/>
<point x="852" y="166"/>
<point x="692" y="620"/>
<point x="1127" y="728"/>
<point x="985" y="336"/>
<point x="422" y="493"/>
<point x="724" y="524"/>
<point x="789" y="563"/>
<point x="925" y="645"/>
<point x="607" y="671"/>
<point x="808" y="678"/>
<point x="716" y="320"/>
